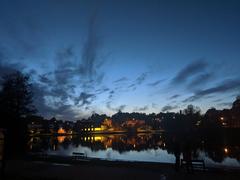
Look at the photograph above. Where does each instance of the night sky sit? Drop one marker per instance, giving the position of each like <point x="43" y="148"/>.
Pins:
<point x="106" y="56"/>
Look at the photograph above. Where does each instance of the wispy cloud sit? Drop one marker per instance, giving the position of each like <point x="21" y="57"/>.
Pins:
<point x="200" y="80"/>
<point x="89" y="55"/>
<point x="102" y="90"/>
<point x="118" y="108"/>
<point x="84" y="99"/>
<point x="224" y="87"/>
<point x="141" y="78"/>
<point x="144" y="108"/>
<point x="175" y="96"/>
<point x="168" y="108"/>
<point x="120" y="80"/>
<point x="111" y="93"/>
<point x="138" y="81"/>
<point x="44" y="79"/>
<point x="156" y="82"/>
<point x="188" y="71"/>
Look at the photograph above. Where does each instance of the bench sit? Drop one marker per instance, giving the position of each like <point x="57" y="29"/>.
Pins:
<point x="192" y="165"/>
<point x="78" y="156"/>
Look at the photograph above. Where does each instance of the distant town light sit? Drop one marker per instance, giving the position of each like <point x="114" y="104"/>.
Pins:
<point x="225" y="150"/>
<point x="97" y="138"/>
<point x="61" y="139"/>
<point x="97" y="129"/>
<point x="61" y="131"/>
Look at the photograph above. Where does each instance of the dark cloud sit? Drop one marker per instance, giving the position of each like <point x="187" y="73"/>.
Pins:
<point x="175" y="96"/>
<point x="89" y="55"/>
<point x="39" y="92"/>
<point x="200" y="80"/>
<point x="65" y="66"/>
<point x="60" y="84"/>
<point x="44" y="79"/>
<point x="141" y="78"/>
<point x="118" y="108"/>
<point x="120" y="80"/>
<point x="61" y="92"/>
<point x="168" y="108"/>
<point x="66" y="112"/>
<point x="102" y="90"/>
<point x="190" y="70"/>
<point x="84" y="99"/>
<point x="59" y="109"/>
<point x="111" y="93"/>
<point x="144" y="108"/>
<point x="32" y="72"/>
<point x="155" y="83"/>
<point x="57" y="82"/>
<point x="226" y="86"/>
<point x="132" y="85"/>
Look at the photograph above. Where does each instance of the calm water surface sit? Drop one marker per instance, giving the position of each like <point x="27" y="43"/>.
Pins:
<point x="137" y="147"/>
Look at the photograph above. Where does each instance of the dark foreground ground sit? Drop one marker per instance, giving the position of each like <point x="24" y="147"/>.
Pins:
<point x="49" y="171"/>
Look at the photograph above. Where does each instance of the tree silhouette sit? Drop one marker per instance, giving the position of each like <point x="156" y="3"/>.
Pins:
<point x="16" y="99"/>
<point x="16" y="96"/>
<point x="190" y="110"/>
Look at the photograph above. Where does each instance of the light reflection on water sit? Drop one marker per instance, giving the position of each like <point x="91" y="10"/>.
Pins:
<point x="138" y="147"/>
<point x="151" y="155"/>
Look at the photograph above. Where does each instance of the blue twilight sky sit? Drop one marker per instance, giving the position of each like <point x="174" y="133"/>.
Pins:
<point x="104" y="56"/>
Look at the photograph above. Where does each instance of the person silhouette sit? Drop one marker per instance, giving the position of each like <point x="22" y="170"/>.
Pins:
<point x="177" y="153"/>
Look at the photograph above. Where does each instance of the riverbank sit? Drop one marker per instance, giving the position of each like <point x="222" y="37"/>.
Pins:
<point x="23" y="169"/>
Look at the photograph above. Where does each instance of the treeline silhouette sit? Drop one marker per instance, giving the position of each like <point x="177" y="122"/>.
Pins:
<point x="189" y="120"/>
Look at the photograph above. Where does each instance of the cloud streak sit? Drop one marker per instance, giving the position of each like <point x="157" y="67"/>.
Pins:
<point x="168" y="108"/>
<point x="188" y="71"/>
<point x="144" y="108"/>
<point x="120" y="80"/>
<point x="155" y="83"/>
<point x="200" y="80"/>
<point x="118" y="108"/>
<point x="90" y="50"/>
<point x="225" y="86"/>
<point x="175" y="96"/>
<point x="84" y="99"/>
